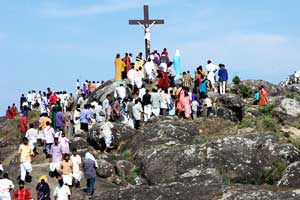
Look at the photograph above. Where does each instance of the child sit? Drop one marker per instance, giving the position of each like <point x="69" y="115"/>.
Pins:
<point x="195" y="105"/>
<point x="256" y="97"/>
<point x="208" y="103"/>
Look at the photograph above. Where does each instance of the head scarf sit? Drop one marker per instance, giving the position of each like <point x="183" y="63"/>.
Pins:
<point x="88" y="155"/>
<point x="43" y="177"/>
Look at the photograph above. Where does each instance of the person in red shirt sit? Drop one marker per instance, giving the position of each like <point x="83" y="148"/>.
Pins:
<point x="23" y="125"/>
<point x="127" y="62"/>
<point x="22" y="193"/>
<point x="14" y="110"/>
<point x="9" y="114"/>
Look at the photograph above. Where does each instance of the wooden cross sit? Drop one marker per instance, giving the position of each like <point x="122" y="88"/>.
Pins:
<point x="147" y="23"/>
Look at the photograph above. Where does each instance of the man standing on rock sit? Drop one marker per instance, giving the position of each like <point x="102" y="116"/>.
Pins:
<point x="146" y="100"/>
<point x="85" y="118"/>
<point x="223" y="78"/>
<point x="211" y="70"/>
<point x="25" y="157"/>
<point x="107" y="107"/>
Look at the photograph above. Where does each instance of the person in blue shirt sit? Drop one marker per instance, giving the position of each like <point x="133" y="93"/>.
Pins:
<point x="85" y="118"/>
<point x="223" y="78"/>
<point x="256" y="97"/>
<point x="203" y="87"/>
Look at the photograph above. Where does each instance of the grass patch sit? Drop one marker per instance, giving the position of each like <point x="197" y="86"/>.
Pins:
<point x="200" y="139"/>
<point x="263" y="123"/>
<point x="275" y="174"/>
<point x="246" y="92"/>
<point x="295" y="141"/>
<point x="266" y="110"/>
<point x="126" y="155"/>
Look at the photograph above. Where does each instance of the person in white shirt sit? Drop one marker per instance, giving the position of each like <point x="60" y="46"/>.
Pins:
<point x="211" y="74"/>
<point x="32" y="135"/>
<point x="107" y="107"/>
<point x="77" y="173"/>
<point x="208" y="103"/>
<point x="120" y="92"/>
<point x="62" y="191"/>
<point x="137" y="111"/>
<point x="6" y="186"/>
<point x="49" y="137"/>
<point x="29" y="100"/>
<point x="138" y="78"/>
<point x="164" y="102"/>
<point x="195" y="105"/>
<point x="149" y="69"/>
<point x="131" y="76"/>
<point x="106" y="133"/>
<point x="142" y="92"/>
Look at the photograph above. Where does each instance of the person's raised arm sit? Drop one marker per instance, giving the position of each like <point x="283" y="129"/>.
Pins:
<point x="152" y="24"/>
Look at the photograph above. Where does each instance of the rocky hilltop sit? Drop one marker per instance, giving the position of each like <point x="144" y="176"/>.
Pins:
<point x="241" y="151"/>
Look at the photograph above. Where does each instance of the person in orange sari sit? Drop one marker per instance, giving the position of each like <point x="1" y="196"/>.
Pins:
<point x="263" y="96"/>
<point x="119" y="65"/>
<point x="14" y="110"/>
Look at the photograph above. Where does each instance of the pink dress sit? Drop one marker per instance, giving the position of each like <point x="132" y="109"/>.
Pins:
<point x="187" y="106"/>
<point x="65" y="144"/>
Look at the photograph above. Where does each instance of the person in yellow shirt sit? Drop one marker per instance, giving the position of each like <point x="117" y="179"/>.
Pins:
<point x="44" y="119"/>
<point x="25" y="157"/>
<point x="120" y="67"/>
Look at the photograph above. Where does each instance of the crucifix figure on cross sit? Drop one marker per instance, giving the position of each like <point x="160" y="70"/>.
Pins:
<point x="147" y="24"/>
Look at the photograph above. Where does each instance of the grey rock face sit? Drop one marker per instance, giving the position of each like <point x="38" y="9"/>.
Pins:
<point x="291" y="176"/>
<point x="105" y="169"/>
<point x="288" y="110"/>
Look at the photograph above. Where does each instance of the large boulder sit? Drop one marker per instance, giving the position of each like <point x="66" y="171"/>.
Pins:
<point x="105" y="169"/>
<point x="291" y="176"/>
<point x="287" y="111"/>
<point x="169" y="148"/>
<point x="253" y="85"/>
<point x="121" y="135"/>
<point x="108" y="87"/>
<point x="230" y="102"/>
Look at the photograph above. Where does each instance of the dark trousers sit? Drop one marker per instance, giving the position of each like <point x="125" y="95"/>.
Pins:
<point x="137" y="124"/>
<point x="90" y="184"/>
<point x="84" y="127"/>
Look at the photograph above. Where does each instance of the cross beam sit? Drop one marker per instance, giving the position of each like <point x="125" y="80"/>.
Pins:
<point x="146" y="22"/>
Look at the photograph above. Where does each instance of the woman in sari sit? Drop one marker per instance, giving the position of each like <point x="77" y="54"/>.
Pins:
<point x="263" y="96"/>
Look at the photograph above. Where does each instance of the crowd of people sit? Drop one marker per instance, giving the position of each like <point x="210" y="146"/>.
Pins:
<point x="146" y="88"/>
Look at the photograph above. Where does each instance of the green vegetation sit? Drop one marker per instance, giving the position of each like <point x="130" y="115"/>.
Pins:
<point x="200" y="139"/>
<point x="246" y="92"/>
<point x="132" y="176"/>
<point x="262" y="123"/>
<point x="266" y="110"/>
<point x="295" y="141"/>
<point x="12" y="126"/>
<point x="126" y="155"/>
<point x="236" y="80"/>
<point x="275" y="174"/>
<point x="293" y="95"/>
